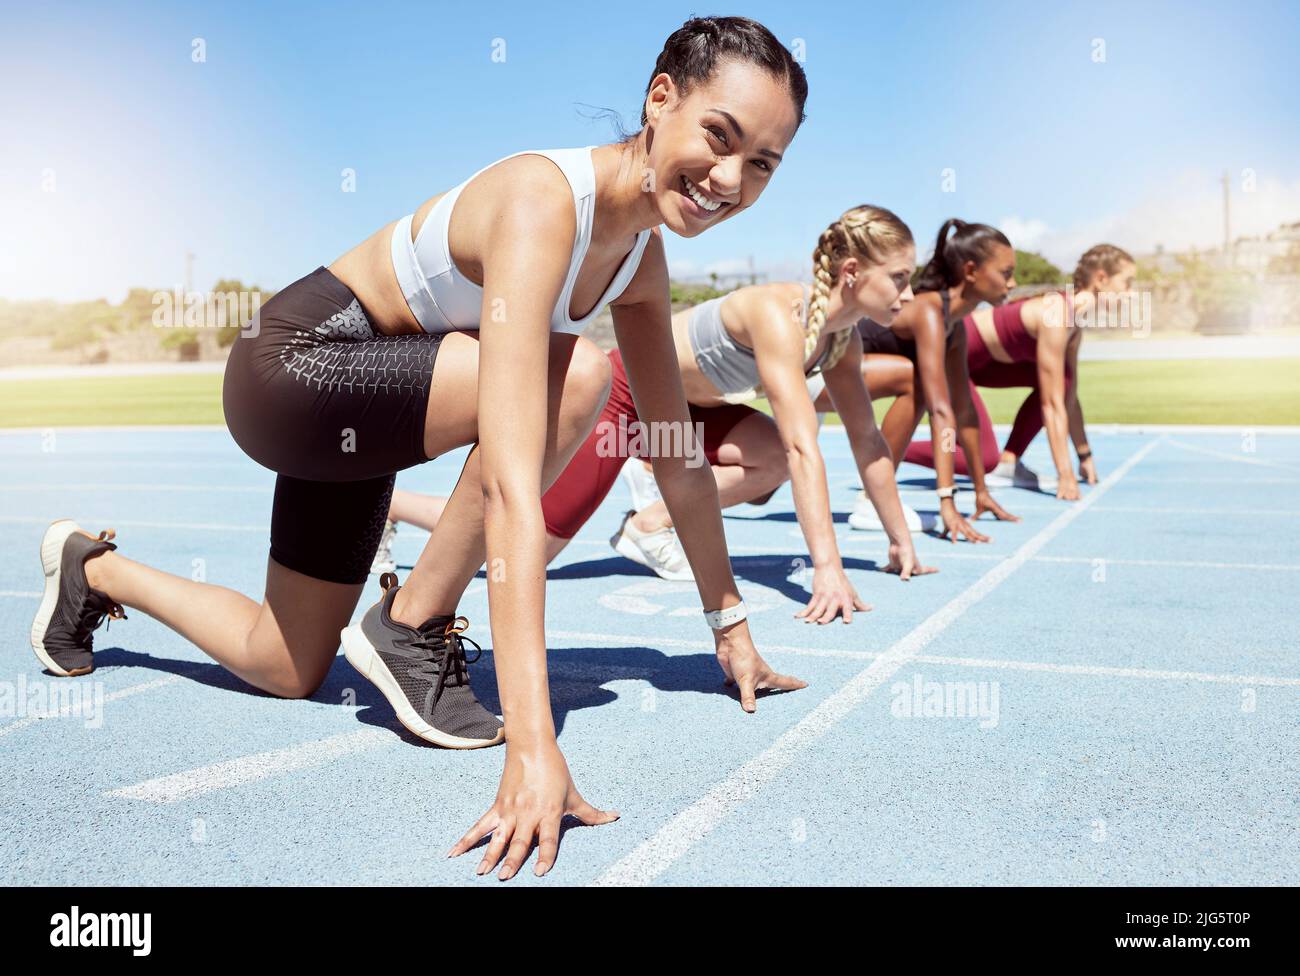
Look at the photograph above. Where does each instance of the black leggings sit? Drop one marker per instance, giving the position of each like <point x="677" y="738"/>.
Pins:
<point x="312" y="392"/>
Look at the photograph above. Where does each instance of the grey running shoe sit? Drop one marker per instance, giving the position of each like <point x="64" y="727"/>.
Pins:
<point x="422" y="672"/>
<point x="71" y="610"/>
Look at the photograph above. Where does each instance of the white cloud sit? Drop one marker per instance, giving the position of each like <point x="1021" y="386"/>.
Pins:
<point x="1186" y="213"/>
<point x="1027" y="235"/>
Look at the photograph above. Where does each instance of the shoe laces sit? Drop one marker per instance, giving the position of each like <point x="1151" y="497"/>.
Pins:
<point x="446" y="664"/>
<point x="93" y="613"/>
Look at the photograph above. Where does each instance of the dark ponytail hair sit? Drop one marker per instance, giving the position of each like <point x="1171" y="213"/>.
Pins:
<point x="971" y="242"/>
<point x="693" y="52"/>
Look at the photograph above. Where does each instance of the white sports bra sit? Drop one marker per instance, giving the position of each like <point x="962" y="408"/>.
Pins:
<point x="444" y="300"/>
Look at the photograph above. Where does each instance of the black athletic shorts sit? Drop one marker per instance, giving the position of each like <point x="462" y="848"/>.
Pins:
<point x="879" y="338"/>
<point x="335" y="408"/>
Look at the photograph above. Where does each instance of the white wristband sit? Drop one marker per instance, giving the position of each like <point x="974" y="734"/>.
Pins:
<point x="949" y="492"/>
<point x="725" y="618"/>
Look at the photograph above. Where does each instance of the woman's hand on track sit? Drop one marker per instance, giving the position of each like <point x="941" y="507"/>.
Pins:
<point x="744" y="668"/>
<point x="1088" y="471"/>
<point x="535" y="794"/>
<point x="984" y="503"/>
<point x="903" y="561"/>
<point x="832" y="595"/>
<point x="1067" y="488"/>
<point x="954" y="524"/>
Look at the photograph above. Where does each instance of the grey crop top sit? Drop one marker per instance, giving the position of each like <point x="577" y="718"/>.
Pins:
<point x="730" y="366"/>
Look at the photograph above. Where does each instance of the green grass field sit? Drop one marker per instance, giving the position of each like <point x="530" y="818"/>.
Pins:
<point x="1187" y="391"/>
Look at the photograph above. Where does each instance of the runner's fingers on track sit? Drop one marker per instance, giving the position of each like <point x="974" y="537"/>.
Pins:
<point x="775" y="681"/>
<point x="497" y="846"/>
<point x="548" y="846"/>
<point x="485" y="825"/>
<point x="764" y="679"/>
<point x="996" y="510"/>
<point x="591" y="816"/>
<point x="522" y="843"/>
<point x="811" y="608"/>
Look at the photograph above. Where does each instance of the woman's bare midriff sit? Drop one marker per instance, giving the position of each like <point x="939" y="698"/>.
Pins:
<point x="700" y="390"/>
<point x="367" y="270"/>
<point x="1031" y="317"/>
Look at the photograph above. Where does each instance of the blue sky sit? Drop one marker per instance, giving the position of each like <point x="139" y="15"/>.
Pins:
<point x="120" y="153"/>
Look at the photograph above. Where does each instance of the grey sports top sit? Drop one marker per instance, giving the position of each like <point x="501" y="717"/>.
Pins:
<point x="730" y="366"/>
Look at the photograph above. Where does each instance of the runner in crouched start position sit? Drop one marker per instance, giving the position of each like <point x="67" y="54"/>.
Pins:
<point x="458" y="325"/>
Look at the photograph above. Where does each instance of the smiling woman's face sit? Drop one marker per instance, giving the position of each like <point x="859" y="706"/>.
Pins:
<point x="713" y="152"/>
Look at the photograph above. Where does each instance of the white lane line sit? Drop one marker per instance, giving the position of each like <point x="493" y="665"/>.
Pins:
<point x="656" y="854"/>
<point x="67" y="710"/>
<point x="1104" y="671"/>
<point x="1160" y="510"/>
<point x="1164" y="563"/>
<point x="1173" y="563"/>
<point x="37" y="594"/>
<point x="249" y="769"/>
<point x="731" y="547"/>
<point x="694" y="645"/>
<point x="1152" y="510"/>
<point x="855" y="545"/>
<point x="1240" y="481"/>
<point x="1230" y="456"/>
<point x="138" y="524"/>
<point x="1000" y="664"/>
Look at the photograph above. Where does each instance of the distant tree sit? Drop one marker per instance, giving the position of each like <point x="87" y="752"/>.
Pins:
<point x="233" y="286"/>
<point x="687" y="294"/>
<point x="1034" y="269"/>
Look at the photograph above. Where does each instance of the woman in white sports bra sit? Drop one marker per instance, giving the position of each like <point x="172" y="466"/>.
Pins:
<point x="467" y="335"/>
<point x="714" y="129"/>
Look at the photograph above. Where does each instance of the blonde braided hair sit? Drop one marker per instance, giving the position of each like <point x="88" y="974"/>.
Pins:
<point x="866" y="232"/>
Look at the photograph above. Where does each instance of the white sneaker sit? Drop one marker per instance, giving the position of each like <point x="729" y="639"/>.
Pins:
<point x="1016" y="475"/>
<point x="660" y="550"/>
<point x="384" y="562"/>
<point x="641" y="482"/>
<point x="865" y="519"/>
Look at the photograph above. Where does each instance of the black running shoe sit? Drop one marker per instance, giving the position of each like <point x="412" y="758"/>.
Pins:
<point x="422" y="672"/>
<point x="71" y="609"/>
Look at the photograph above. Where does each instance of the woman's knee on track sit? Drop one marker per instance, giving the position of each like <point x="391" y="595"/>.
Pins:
<point x="291" y="670"/>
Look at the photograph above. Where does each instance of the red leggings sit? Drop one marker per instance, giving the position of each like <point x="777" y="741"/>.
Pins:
<point x="1029" y="419"/>
<point x="583" y="485"/>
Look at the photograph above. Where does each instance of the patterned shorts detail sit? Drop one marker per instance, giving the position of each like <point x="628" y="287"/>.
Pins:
<point x="335" y="409"/>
